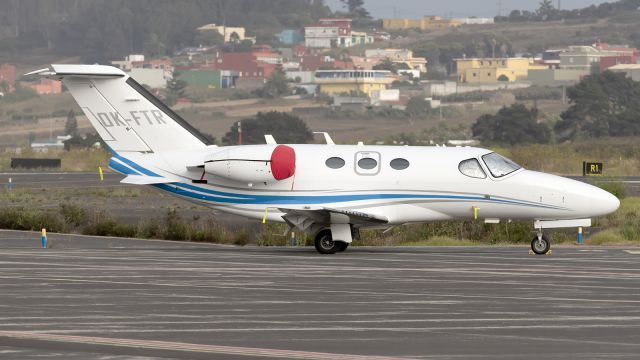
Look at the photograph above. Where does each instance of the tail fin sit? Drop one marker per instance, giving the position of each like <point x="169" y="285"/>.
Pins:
<point x="125" y="115"/>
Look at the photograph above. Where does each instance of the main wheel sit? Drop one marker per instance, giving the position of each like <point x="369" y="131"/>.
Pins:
<point x="541" y="245"/>
<point x="325" y="244"/>
<point x="342" y="246"/>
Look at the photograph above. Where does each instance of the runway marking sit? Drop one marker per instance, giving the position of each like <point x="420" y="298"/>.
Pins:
<point x="633" y="252"/>
<point x="186" y="347"/>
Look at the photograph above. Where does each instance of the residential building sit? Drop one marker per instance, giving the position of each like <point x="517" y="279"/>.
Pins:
<point x="361" y="38"/>
<point x="244" y="63"/>
<point x="586" y="58"/>
<point x="487" y="70"/>
<point x="137" y="61"/>
<point x="476" y="21"/>
<point x="56" y="143"/>
<point x="153" y="78"/>
<point x="399" y="56"/>
<point x="335" y="82"/>
<point x="632" y="70"/>
<point x="264" y="53"/>
<point x="127" y="63"/>
<point x="429" y="22"/>
<point x="210" y="79"/>
<point x="556" y="77"/>
<point x="8" y="75"/>
<point x="300" y="76"/>
<point x="381" y="36"/>
<point x="44" y="86"/>
<point x="230" y="33"/>
<point x="290" y="37"/>
<point x="328" y="33"/>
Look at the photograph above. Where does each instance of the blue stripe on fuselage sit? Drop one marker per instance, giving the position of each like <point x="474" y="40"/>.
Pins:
<point x="255" y="199"/>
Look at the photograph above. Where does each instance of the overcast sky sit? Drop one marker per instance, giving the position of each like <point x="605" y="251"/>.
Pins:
<point x="455" y="8"/>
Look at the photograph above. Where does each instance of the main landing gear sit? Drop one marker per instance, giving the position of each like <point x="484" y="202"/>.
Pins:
<point x="326" y="245"/>
<point x="541" y="244"/>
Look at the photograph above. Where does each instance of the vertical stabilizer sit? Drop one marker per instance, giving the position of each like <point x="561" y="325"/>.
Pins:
<point x="126" y="115"/>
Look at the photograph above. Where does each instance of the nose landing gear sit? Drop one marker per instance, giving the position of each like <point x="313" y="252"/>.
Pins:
<point x="541" y="244"/>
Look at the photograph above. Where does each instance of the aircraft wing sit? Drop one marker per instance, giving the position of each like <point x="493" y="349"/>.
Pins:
<point x="319" y="218"/>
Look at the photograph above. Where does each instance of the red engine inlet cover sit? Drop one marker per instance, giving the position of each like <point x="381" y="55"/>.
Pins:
<point x="283" y="162"/>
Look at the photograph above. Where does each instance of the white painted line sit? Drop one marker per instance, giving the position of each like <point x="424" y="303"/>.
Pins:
<point x="633" y="252"/>
<point x="186" y="347"/>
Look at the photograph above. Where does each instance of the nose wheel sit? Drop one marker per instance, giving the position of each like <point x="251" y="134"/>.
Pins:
<point x="541" y="244"/>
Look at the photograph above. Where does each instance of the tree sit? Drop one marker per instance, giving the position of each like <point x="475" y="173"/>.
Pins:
<point x="71" y="127"/>
<point x="4" y="86"/>
<point x="285" y="128"/>
<point x="153" y="47"/>
<point x="602" y="105"/>
<point x="512" y="125"/>
<point x="175" y="89"/>
<point x="356" y="8"/>
<point x="546" y="11"/>
<point x="387" y="64"/>
<point x="275" y="86"/>
<point x="417" y="108"/>
<point x="209" y="38"/>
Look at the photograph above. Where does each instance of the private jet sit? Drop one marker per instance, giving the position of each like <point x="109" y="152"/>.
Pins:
<point x="327" y="190"/>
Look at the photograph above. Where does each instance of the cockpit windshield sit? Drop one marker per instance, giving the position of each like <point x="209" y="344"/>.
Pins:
<point x="499" y="165"/>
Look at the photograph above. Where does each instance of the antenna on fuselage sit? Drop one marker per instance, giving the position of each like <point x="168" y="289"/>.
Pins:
<point x="270" y="139"/>
<point x="327" y="137"/>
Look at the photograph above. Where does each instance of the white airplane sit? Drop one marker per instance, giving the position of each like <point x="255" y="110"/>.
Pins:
<point x="330" y="191"/>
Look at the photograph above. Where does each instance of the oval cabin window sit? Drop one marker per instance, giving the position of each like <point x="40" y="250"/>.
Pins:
<point x="334" y="162"/>
<point x="367" y="163"/>
<point x="399" y="164"/>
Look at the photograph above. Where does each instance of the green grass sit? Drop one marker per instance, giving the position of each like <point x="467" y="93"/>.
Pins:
<point x="440" y="241"/>
<point x="73" y="160"/>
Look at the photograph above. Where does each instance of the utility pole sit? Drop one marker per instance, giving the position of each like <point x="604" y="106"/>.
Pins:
<point x="499" y="8"/>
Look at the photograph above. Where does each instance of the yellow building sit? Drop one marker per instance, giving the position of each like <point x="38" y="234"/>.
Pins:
<point x="335" y="82"/>
<point x="488" y="70"/>
<point x="398" y="56"/>
<point x="426" y="23"/>
<point x="228" y="32"/>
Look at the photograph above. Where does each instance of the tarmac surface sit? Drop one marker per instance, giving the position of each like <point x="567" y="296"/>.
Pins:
<point x="107" y="298"/>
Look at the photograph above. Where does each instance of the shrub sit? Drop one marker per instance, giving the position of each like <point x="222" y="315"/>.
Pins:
<point x="73" y="214"/>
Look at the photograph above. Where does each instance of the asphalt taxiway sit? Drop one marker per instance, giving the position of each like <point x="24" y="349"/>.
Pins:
<point x="88" y="297"/>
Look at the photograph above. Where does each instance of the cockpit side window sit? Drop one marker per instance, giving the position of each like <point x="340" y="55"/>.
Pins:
<point x="499" y="165"/>
<point x="471" y="168"/>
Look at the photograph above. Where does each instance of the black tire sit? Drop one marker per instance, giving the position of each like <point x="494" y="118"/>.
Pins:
<point x="541" y="246"/>
<point x="324" y="243"/>
<point x="342" y="246"/>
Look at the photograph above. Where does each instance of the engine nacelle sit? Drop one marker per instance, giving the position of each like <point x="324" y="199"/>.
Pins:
<point x="253" y="163"/>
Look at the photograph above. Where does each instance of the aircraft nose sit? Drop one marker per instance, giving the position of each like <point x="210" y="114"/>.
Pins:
<point x="610" y="202"/>
<point x="603" y="202"/>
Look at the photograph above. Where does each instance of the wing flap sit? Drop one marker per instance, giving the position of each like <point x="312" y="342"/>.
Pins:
<point x="146" y="180"/>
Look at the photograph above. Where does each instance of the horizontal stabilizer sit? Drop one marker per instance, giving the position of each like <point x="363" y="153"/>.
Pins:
<point x="59" y="71"/>
<point x="147" y="180"/>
